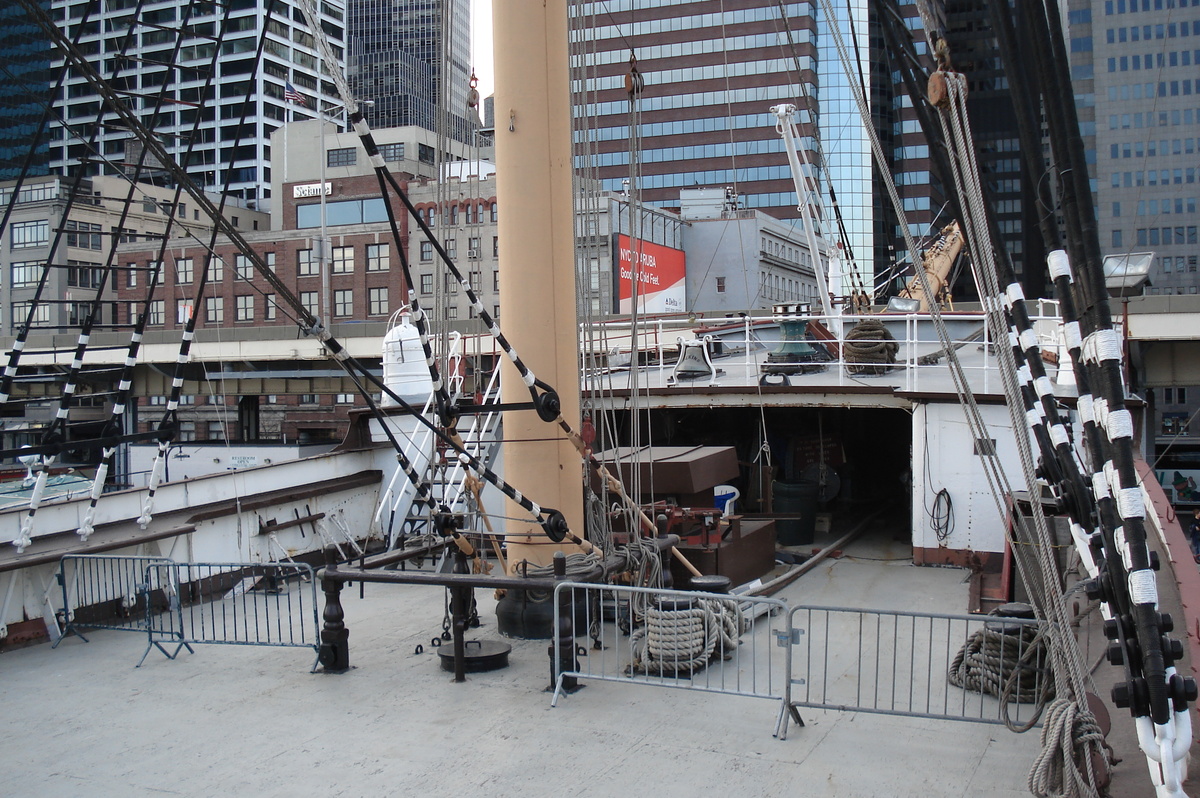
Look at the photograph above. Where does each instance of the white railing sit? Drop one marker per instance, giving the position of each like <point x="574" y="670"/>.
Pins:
<point x="741" y="343"/>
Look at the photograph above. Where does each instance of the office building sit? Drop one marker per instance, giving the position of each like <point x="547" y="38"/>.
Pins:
<point x="228" y="119"/>
<point x="411" y="57"/>
<point x="1137" y="85"/>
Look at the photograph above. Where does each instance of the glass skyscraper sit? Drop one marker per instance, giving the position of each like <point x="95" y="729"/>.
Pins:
<point x="397" y="61"/>
<point x="24" y="91"/>
<point x="711" y="78"/>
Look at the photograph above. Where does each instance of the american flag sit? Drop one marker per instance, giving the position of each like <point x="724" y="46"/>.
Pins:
<point x="291" y="95"/>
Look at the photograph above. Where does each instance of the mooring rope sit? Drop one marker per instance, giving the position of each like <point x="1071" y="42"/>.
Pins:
<point x="870" y="347"/>
<point x="682" y="640"/>
<point x="1067" y="735"/>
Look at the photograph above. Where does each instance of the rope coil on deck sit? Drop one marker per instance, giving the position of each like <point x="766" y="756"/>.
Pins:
<point x="679" y="641"/>
<point x="869" y="348"/>
<point x="1011" y="664"/>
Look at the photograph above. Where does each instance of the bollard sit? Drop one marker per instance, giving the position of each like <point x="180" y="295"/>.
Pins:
<point x="460" y="609"/>
<point x="334" y="654"/>
<point x="562" y="646"/>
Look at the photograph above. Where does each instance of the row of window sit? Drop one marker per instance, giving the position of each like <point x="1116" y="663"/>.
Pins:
<point x="1180" y="264"/>
<point x="1133" y="6"/>
<point x="451" y="285"/>
<point x="1178" y="116"/>
<point x="1148" y="32"/>
<point x="718" y="150"/>
<point x="1152" y="148"/>
<point x="685" y="127"/>
<point x="1155" y="207"/>
<point x="474" y="252"/>
<point x="1154" y="177"/>
<point x="348" y="156"/>
<point x="1175" y="58"/>
<point x="1156" y="236"/>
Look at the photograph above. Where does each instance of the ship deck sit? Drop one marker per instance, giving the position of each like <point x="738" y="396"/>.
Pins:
<point x="254" y="720"/>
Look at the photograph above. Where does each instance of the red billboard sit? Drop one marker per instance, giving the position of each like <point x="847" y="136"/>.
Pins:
<point x="660" y="271"/>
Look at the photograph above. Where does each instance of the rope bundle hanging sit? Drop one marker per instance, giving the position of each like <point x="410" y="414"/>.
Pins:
<point x="1066" y="735"/>
<point x="869" y="348"/>
<point x="678" y="641"/>
<point x="1007" y="661"/>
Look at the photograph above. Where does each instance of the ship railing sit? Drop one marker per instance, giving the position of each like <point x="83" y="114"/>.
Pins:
<point x="741" y="342"/>
<point x="710" y="642"/>
<point x="479" y="435"/>
<point x="980" y="668"/>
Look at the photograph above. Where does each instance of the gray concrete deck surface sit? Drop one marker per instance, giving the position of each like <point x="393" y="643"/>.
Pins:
<point x="81" y="720"/>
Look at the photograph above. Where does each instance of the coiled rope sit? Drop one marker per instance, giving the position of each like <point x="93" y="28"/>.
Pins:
<point x="1011" y="664"/>
<point x="870" y="347"/>
<point x="680" y="641"/>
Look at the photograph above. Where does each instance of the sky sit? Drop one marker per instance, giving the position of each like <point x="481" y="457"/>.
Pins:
<point x="481" y="46"/>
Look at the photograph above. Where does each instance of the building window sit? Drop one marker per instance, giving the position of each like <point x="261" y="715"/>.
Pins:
<point x="426" y="283"/>
<point x="473" y="248"/>
<point x="343" y="260"/>
<point x="158" y="312"/>
<point x="451" y="284"/>
<point x="83" y="235"/>
<point x="269" y="307"/>
<point x="451" y="245"/>
<point x="306" y="264"/>
<point x="493" y="211"/>
<point x="24" y="235"/>
<point x="720" y="285"/>
<point x="495" y="246"/>
<point x="309" y="300"/>
<point x="270" y="261"/>
<point x="426" y="250"/>
<point x="131" y="273"/>
<point x="343" y="303"/>
<point x="27" y="272"/>
<point x="216" y="270"/>
<point x="214" y="309"/>
<point x="183" y="311"/>
<point x="346" y="398"/>
<point x="245" y="308"/>
<point x="476" y="280"/>
<point x="243" y="269"/>
<point x="186" y="431"/>
<point x="452" y="312"/>
<point x="183" y="270"/>
<point x="40" y="315"/>
<point x="392" y="152"/>
<point x="379" y="257"/>
<point x="495" y="280"/>
<point x="1174" y="423"/>
<point x="342" y="156"/>
<point x="377" y="301"/>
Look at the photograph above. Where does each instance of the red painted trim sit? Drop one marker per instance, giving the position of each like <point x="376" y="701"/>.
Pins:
<point x="1179" y="558"/>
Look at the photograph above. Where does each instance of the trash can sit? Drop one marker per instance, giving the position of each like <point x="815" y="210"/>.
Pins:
<point x="797" y="499"/>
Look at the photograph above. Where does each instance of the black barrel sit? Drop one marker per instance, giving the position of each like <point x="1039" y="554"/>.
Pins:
<point x="795" y="499"/>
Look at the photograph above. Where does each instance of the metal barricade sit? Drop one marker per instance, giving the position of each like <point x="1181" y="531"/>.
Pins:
<point x="669" y="638"/>
<point x="899" y="663"/>
<point x="102" y="591"/>
<point x="254" y="604"/>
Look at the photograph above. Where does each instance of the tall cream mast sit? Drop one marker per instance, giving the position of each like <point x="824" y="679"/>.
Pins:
<point x="537" y="262"/>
